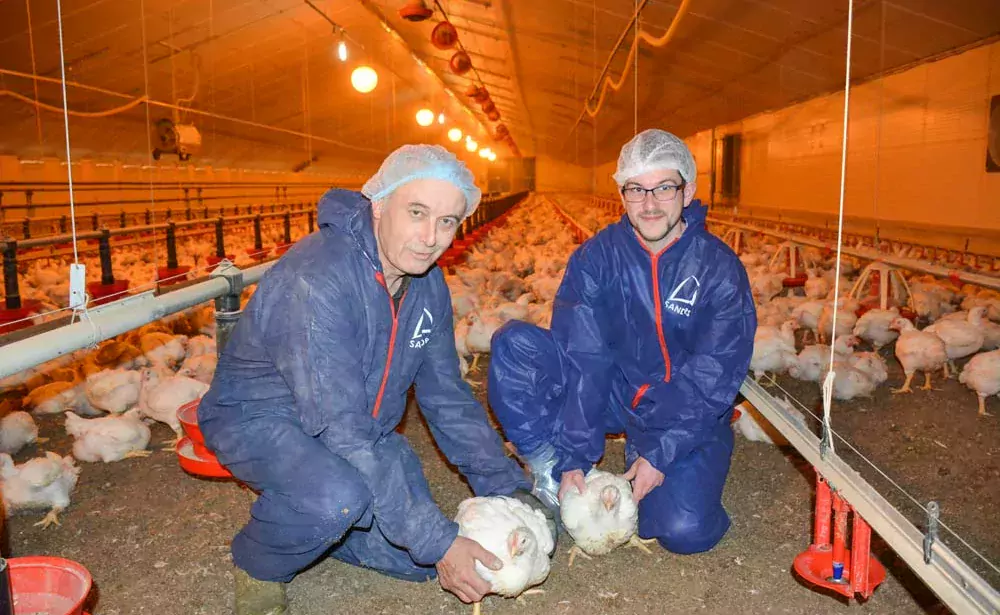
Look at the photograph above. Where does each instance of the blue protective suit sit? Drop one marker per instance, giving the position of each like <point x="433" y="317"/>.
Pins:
<point x="308" y="393"/>
<point x="654" y="346"/>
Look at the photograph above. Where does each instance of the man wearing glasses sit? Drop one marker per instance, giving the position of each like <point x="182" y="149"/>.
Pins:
<point x="652" y="332"/>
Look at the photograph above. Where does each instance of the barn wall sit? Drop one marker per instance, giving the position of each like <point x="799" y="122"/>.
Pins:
<point x="916" y="155"/>
<point x="553" y="175"/>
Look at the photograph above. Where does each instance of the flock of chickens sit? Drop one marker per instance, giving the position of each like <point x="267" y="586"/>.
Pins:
<point x="108" y="396"/>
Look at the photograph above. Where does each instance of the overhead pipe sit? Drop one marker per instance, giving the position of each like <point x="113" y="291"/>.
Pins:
<point x="107" y="321"/>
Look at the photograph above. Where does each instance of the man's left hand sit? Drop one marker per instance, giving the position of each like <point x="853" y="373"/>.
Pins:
<point x="644" y="478"/>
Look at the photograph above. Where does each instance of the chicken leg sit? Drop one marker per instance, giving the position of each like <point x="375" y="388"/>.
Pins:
<point x="172" y="444"/>
<point x="137" y="454"/>
<point x="982" y="407"/>
<point x="640" y="543"/>
<point x="524" y="601"/>
<point x="477" y="608"/>
<point x="475" y="362"/>
<point x="927" y="382"/>
<point x="906" y="385"/>
<point x="573" y="552"/>
<point x="50" y="519"/>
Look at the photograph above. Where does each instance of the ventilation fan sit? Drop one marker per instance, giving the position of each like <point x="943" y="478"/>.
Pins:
<point x="180" y="139"/>
<point x="993" y="137"/>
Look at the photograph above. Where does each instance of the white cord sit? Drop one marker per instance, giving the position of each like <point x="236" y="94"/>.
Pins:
<point x="831" y="375"/>
<point x="69" y="158"/>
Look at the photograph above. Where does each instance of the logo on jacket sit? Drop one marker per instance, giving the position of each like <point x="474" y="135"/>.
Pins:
<point x="422" y="332"/>
<point x="684" y="296"/>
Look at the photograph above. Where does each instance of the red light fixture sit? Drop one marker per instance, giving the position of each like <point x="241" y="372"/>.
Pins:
<point x="460" y="63"/>
<point x="415" y="10"/>
<point x="444" y="35"/>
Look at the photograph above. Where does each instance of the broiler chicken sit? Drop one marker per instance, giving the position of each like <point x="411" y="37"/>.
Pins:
<point x="961" y="339"/>
<point x="982" y="375"/>
<point x="773" y="349"/>
<point x="755" y="428"/>
<point x="873" y="327"/>
<point x="164" y="348"/>
<point x="17" y="430"/>
<point x="200" y="367"/>
<point x="516" y="534"/>
<point x="161" y="396"/>
<point x="39" y="483"/>
<point x="113" y="391"/>
<point x="603" y="517"/>
<point x="109" y="438"/>
<point x="917" y="350"/>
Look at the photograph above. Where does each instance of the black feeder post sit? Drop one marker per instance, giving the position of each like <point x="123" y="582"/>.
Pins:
<point x="312" y="223"/>
<point x="149" y="216"/>
<point x="227" y="306"/>
<point x="122" y="220"/>
<point x="220" y="246"/>
<point x="171" y="245"/>
<point x="288" y="228"/>
<point x="95" y="221"/>
<point x="26" y="228"/>
<point x="10" y="286"/>
<point x="62" y="223"/>
<point x="104" y="247"/>
<point x="258" y="242"/>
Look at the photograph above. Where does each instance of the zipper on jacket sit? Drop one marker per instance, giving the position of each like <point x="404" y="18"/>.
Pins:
<point x="392" y="340"/>
<point x="654" y="259"/>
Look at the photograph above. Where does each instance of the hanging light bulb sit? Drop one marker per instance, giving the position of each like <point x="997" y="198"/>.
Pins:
<point x="484" y="153"/>
<point x="364" y="79"/>
<point x="440" y="118"/>
<point x="425" y="117"/>
<point x="455" y="134"/>
<point x="470" y="144"/>
<point x="492" y="157"/>
<point x="342" y="51"/>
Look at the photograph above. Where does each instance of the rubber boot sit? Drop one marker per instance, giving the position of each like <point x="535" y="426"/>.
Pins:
<point x="254" y="597"/>
<point x="540" y="463"/>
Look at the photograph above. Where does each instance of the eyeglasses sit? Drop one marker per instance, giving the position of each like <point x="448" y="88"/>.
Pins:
<point x="661" y="194"/>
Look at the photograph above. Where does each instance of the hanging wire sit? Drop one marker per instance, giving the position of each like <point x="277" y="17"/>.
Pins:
<point x="34" y="70"/>
<point x="149" y="138"/>
<point x="635" y="79"/>
<point x="69" y="157"/>
<point x="827" y="442"/>
<point x="878" y="125"/>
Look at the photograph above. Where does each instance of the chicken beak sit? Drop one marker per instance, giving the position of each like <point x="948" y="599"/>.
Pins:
<point x="517" y="541"/>
<point x="610" y="497"/>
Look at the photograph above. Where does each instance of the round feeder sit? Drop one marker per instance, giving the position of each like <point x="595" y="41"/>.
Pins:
<point x="188" y="417"/>
<point x="106" y="293"/>
<point x="49" y="585"/>
<point x="199" y="465"/>
<point x="882" y="286"/>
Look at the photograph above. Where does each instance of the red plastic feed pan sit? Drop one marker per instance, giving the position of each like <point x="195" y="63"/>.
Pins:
<point x="188" y="417"/>
<point x="48" y="585"/>
<point x="199" y="465"/>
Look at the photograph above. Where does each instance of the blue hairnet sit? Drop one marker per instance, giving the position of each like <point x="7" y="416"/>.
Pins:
<point x="412" y="162"/>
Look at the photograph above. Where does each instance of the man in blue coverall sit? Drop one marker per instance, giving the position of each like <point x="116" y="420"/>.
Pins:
<point x="313" y="382"/>
<point x="652" y="332"/>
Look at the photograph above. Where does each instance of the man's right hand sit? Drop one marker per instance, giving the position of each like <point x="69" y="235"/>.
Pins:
<point x="572" y="478"/>
<point x="457" y="569"/>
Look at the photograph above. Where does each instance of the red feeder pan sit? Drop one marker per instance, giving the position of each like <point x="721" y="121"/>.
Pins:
<point x="198" y="465"/>
<point x="106" y="293"/>
<point x="188" y="417"/>
<point x="832" y="565"/>
<point x="213" y="261"/>
<point x="172" y="276"/>
<point x="796" y="282"/>
<point x="282" y="249"/>
<point x="256" y="254"/>
<point x="13" y="319"/>
<point x="49" y="585"/>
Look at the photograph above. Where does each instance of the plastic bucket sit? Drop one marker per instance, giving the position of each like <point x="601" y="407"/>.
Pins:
<point x="48" y="585"/>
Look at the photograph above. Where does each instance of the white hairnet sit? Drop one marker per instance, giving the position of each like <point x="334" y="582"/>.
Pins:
<point x="412" y="162"/>
<point x="654" y="150"/>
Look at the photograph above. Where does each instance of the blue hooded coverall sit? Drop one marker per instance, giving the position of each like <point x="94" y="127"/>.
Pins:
<point x="308" y="393"/>
<point x="653" y="345"/>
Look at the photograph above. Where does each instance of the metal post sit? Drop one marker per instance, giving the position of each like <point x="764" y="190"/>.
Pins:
<point x="288" y="229"/>
<point x="10" y="286"/>
<point x="62" y="223"/>
<point x="104" y="248"/>
<point x="206" y="213"/>
<point x="170" y="213"/>
<point x="28" y="196"/>
<point x="201" y="201"/>
<point x="274" y="207"/>
<point x="26" y="228"/>
<point x="95" y="221"/>
<point x="122" y="219"/>
<point x="258" y="242"/>
<point x="149" y="216"/>
<point x="284" y="192"/>
<point x="312" y="224"/>
<point x="227" y="306"/>
<point x="220" y="246"/>
<point x="187" y="212"/>
<point x="187" y="199"/>
<point x="171" y="245"/>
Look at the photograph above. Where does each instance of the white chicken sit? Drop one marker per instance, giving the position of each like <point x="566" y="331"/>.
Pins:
<point x="39" y="483"/>
<point x="109" y="438"/>
<point x="873" y="327"/>
<point x="18" y="430"/>
<point x="960" y="338"/>
<point x="917" y="350"/>
<point x="516" y="534"/>
<point x="846" y="319"/>
<point x="755" y="428"/>
<point x="982" y="375"/>
<point x="113" y="390"/>
<point x="161" y="396"/>
<point x="773" y="349"/>
<point x="200" y="367"/>
<point x="603" y="517"/>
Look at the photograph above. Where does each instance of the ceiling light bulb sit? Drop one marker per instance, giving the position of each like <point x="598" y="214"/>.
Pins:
<point x="342" y="51"/>
<point x="364" y="79"/>
<point x="455" y="134"/>
<point x="493" y="156"/>
<point x="484" y="153"/>
<point x="440" y="118"/>
<point x="425" y="117"/>
<point x="471" y="145"/>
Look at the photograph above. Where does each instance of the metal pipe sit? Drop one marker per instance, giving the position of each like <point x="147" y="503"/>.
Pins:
<point x="113" y="319"/>
<point x="904" y="263"/>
